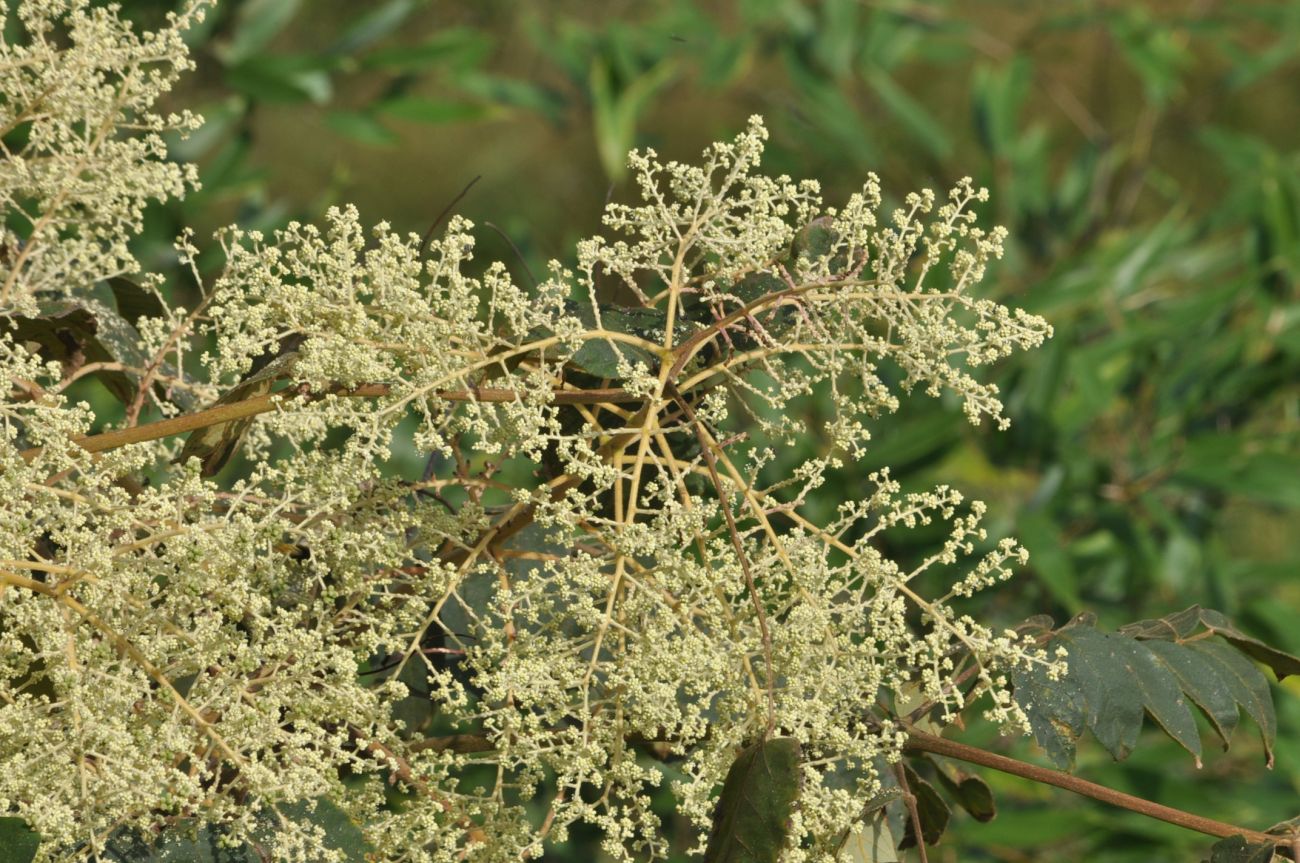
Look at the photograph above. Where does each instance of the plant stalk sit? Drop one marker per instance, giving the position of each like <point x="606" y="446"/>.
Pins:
<point x="919" y="741"/>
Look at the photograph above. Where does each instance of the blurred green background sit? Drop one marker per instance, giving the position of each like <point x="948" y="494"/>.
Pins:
<point x="1144" y="155"/>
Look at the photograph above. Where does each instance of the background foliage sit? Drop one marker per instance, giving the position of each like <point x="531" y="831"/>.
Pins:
<point x="1143" y="155"/>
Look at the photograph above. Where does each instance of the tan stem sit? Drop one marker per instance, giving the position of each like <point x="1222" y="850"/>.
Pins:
<point x="263" y="403"/>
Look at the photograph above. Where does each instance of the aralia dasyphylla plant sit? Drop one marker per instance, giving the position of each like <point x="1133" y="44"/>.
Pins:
<point x="604" y="580"/>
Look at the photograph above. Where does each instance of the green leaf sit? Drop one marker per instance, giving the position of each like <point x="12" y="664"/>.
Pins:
<point x="615" y="110"/>
<point x="970" y="792"/>
<point x="1237" y="849"/>
<point x="931" y="811"/>
<point x="454" y="47"/>
<point x="600" y="356"/>
<point x="361" y="126"/>
<point x="1155" y="55"/>
<point x="18" y="842"/>
<point x="833" y="120"/>
<point x="752" y="821"/>
<point x="432" y="111"/>
<point x="1237" y="465"/>
<point x="514" y="93"/>
<point x="910" y="113"/>
<point x="373" y="26"/>
<point x="1153" y="667"/>
<point x="1189" y="621"/>
<point x="1049" y="557"/>
<point x="998" y="94"/>
<point x="256" y="24"/>
<point x="272" y="78"/>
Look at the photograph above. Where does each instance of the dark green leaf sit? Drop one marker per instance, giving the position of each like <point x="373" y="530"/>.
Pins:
<point x="1203" y="683"/>
<point x="1055" y="709"/>
<point x="189" y="842"/>
<point x="600" y="356"/>
<point x="1237" y="849"/>
<point x="1282" y="663"/>
<point x="1184" y="624"/>
<point x="361" y="126"/>
<point x="341" y="834"/>
<point x="1248" y="685"/>
<point x="1121" y="678"/>
<point x="1114" y="678"/>
<point x="18" y="842"/>
<point x="931" y="811"/>
<point x="970" y="793"/>
<point x="814" y="240"/>
<point x="752" y="821"/>
<point x="77" y="332"/>
<point x="135" y="301"/>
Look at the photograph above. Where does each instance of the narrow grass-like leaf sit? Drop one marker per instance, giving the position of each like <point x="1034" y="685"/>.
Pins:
<point x="1157" y="667"/>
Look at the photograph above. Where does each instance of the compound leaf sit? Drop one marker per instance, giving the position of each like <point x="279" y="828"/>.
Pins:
<point x="1153" y="667"/>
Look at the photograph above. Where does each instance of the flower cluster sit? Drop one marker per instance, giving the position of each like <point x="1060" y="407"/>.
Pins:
<point x="593" y="589"/>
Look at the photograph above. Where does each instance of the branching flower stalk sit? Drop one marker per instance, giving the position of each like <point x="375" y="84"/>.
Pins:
<point x="606" y="551"/>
